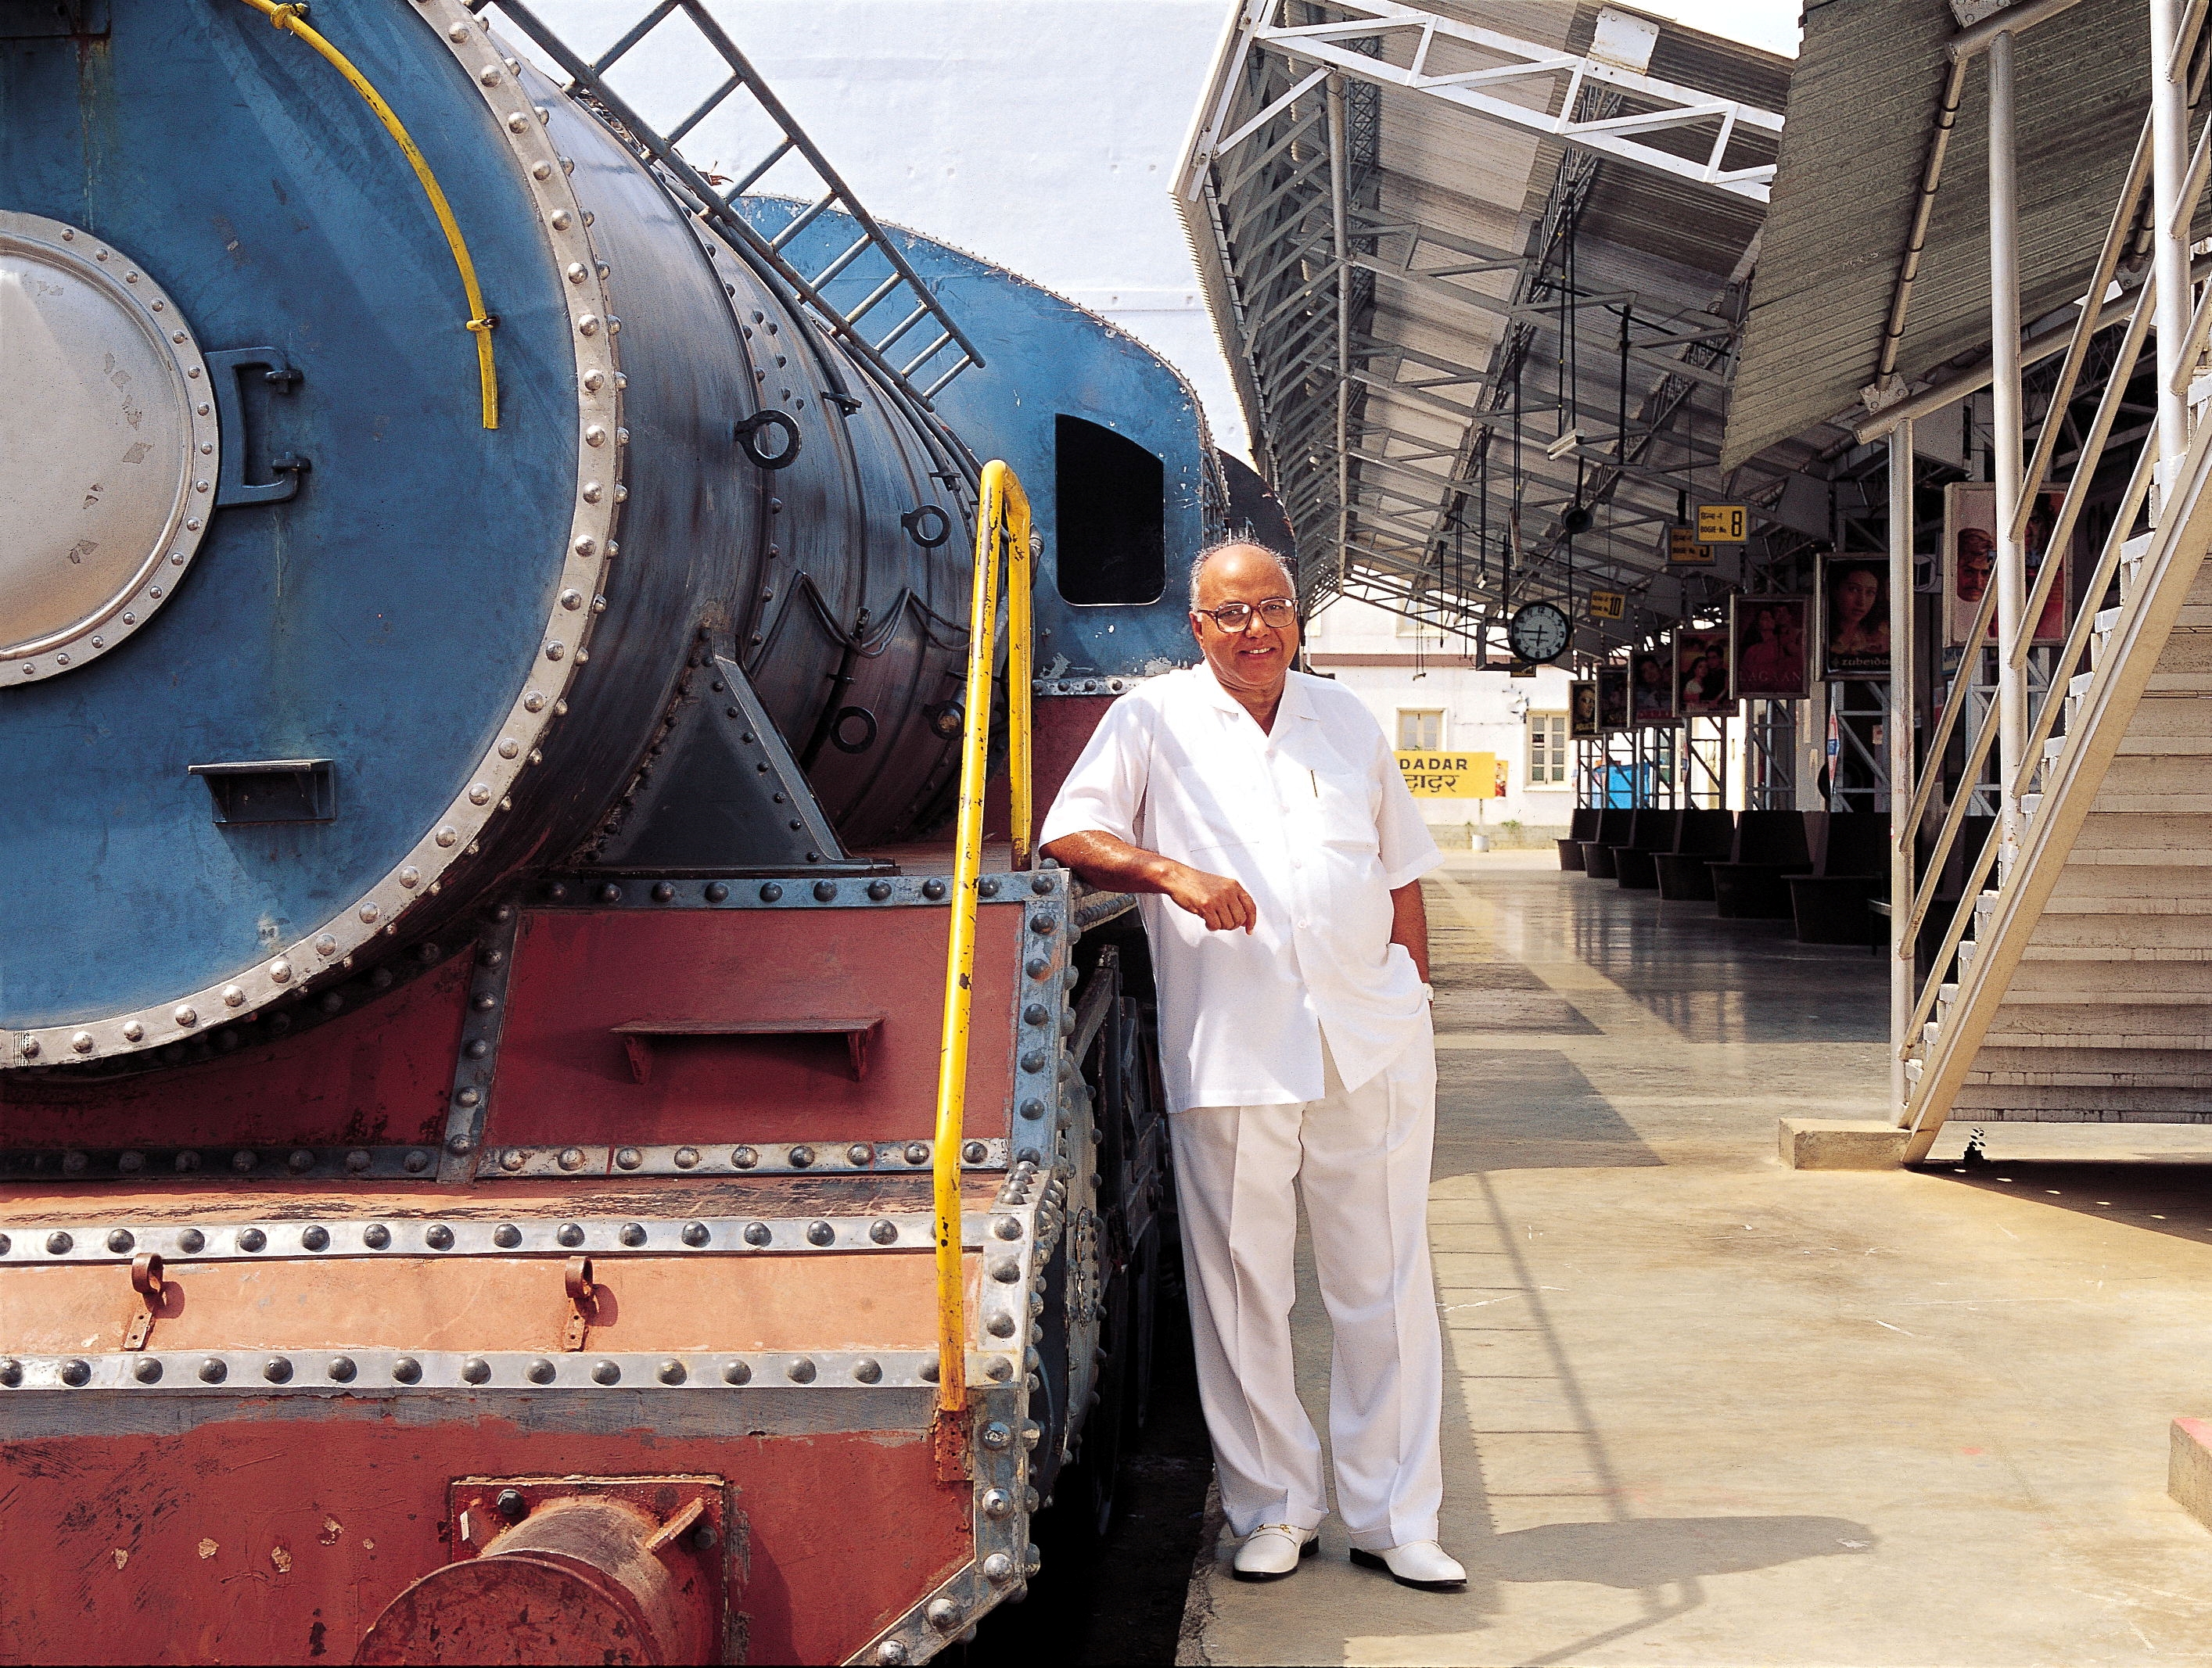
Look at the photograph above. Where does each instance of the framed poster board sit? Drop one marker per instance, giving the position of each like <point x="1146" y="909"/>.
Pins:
<point x="1611" y="700"/>
<point x="1855" y="617"/>
<point x="1701" y="672"/>
<point x="1969" y="556"/>
<point x="1650" y="687"/>
<point x="1768" y="635"/>
<point x="1582" y="710"/>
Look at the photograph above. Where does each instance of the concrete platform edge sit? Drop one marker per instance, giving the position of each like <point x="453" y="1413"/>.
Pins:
<point x="2189" y="1468"/>
<point x="1834" y="1143"/>
<point x="1198" y="1602"/>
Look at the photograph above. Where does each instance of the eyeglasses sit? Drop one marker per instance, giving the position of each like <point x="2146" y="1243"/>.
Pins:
<point x="1274" y="613"/>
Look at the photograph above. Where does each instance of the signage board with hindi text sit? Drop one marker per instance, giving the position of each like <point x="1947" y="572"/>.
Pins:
<point x="1606" y="604"/>
<point x="1453" y="775"/>
<point x="1683" y="547"/>
<point x="1724" y="523"/>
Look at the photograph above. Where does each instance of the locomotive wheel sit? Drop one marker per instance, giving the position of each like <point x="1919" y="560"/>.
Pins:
<point x="1090" y="1489"/>
<point x="1144" y="1280"/>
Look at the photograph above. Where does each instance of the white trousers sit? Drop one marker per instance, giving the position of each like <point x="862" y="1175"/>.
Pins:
<point x="1361" y="1159"/>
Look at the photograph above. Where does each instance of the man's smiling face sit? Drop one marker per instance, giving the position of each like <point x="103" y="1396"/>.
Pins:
<point x="1252" y="662"/>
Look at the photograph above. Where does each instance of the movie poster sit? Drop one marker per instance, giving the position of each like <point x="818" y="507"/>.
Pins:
<point x="1969" y="556"/>
<point x="1650" y="687"/>
<point x="1611" y="698"/>
<point x="1582" y="710"/>
<point x="1770" y="636"/>
<point x="1701" y="672"/>
<point x="1855" y="617"/>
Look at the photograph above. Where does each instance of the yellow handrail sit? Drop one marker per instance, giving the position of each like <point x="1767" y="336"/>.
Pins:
<point x="1002" y="532"/>
<point x="287" y="17"/>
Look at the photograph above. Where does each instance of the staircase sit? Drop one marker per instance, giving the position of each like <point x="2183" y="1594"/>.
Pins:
<point x="2084" y="992"/>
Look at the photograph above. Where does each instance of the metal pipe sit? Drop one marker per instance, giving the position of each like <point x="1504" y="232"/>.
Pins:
<point x="2033" y="350"/>
<point x="1931" y="178"/>
<point x="2169" y="122"/>
<point x="2004" y="332"/>
<point x="1900" y="739"/>
<point x="1339" y="161"/>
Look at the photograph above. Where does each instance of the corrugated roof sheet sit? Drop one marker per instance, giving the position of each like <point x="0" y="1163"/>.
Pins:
<point x="1869" y="82"/>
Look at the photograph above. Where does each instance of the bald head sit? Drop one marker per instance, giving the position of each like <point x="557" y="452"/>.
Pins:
<point x="1234" y="566"/>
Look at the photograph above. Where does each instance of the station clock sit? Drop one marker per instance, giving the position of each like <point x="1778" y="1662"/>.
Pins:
<point x="1539" y="632"/>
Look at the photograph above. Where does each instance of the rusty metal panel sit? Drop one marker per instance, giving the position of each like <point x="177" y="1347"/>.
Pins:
<point x="833" y="1300"/>
<point x="582" y="976"/>
<point x="377" y="1073"/>
<point x="257" y="1531"/>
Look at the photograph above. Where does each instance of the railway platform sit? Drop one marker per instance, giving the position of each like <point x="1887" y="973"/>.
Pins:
<point x="1703" y="1408"/>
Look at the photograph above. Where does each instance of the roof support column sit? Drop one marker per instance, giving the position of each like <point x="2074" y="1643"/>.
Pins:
<point x="1339" y="162"/>
<point x="1903" y="971"/>
<point x="2011" y="562"/>
<point x="2169" y="139"/>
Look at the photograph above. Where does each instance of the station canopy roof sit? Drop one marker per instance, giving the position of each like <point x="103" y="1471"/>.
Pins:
<point x="1476" y="266"/>
<point x="1864" y="108"/>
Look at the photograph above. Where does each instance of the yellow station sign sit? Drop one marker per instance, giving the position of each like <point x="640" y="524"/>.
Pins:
<point x="1724" y="523"/>
<point x="1606" y="605"/>
<point x="1453" y="775"/>
<point x="1682" y="547"/>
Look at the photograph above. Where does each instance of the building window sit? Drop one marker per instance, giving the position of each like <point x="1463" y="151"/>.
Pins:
<point x="1420" y="732"/>
<point x="1548" y="750"/>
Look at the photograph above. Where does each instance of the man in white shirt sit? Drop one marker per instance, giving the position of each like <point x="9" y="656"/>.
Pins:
<point x="1259" y="814"/>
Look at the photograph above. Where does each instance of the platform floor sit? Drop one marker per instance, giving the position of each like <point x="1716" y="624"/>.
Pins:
<point x="1703" y="1410"/>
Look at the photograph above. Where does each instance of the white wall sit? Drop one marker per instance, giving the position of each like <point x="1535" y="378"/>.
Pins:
<point x="1041" y="135"/>
<point x="1484" y="712"/>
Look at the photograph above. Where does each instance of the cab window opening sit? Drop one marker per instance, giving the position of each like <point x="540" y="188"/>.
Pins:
<point x="1110" y="510"/>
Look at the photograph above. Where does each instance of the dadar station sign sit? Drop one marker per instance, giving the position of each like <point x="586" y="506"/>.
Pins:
<point x="1453" y="775"/>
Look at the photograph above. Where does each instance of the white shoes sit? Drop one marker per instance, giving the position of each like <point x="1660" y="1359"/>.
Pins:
<point x="1422" y="1564"/>
<point x="1272" y="1551"/>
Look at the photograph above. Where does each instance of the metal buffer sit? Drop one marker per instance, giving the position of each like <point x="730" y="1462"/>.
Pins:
<point x="1002" y="537"/>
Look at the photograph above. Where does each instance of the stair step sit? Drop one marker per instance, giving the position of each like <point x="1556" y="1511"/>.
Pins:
<point x="2077" y="1115"/>
<point x="2092" y="1068"/>
<point x="2041" y="1027"/>
<point x="2140" y="857"/>
<point x="2152" y="778"/>
<point x="2116" y="904"/>
<point x="2076" y="954"/>
<point x="2077" y="1097"/>
<point x="2122" y="987"/>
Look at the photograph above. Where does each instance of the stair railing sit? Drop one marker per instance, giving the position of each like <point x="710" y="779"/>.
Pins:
<point x="1002" y="537"/>
<point x="2141" y="316"/>
<point x="2147" y="615"/>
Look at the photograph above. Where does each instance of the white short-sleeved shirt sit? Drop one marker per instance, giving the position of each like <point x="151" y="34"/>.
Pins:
<point x="1315" y="820"/>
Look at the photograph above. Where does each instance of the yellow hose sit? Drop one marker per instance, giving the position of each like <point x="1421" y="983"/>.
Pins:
<point x="480" y="322"/>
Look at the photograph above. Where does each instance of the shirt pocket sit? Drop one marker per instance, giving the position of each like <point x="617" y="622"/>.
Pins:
<point x="1345" y="812"/>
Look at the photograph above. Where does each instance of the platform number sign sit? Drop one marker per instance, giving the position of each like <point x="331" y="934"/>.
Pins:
<point x="1724" y="523"/>
<point x="1606" y="604"/>
<point x="1683" y="548"/>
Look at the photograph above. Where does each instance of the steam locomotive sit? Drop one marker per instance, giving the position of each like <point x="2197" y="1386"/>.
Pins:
<point x="482" y="613"/>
